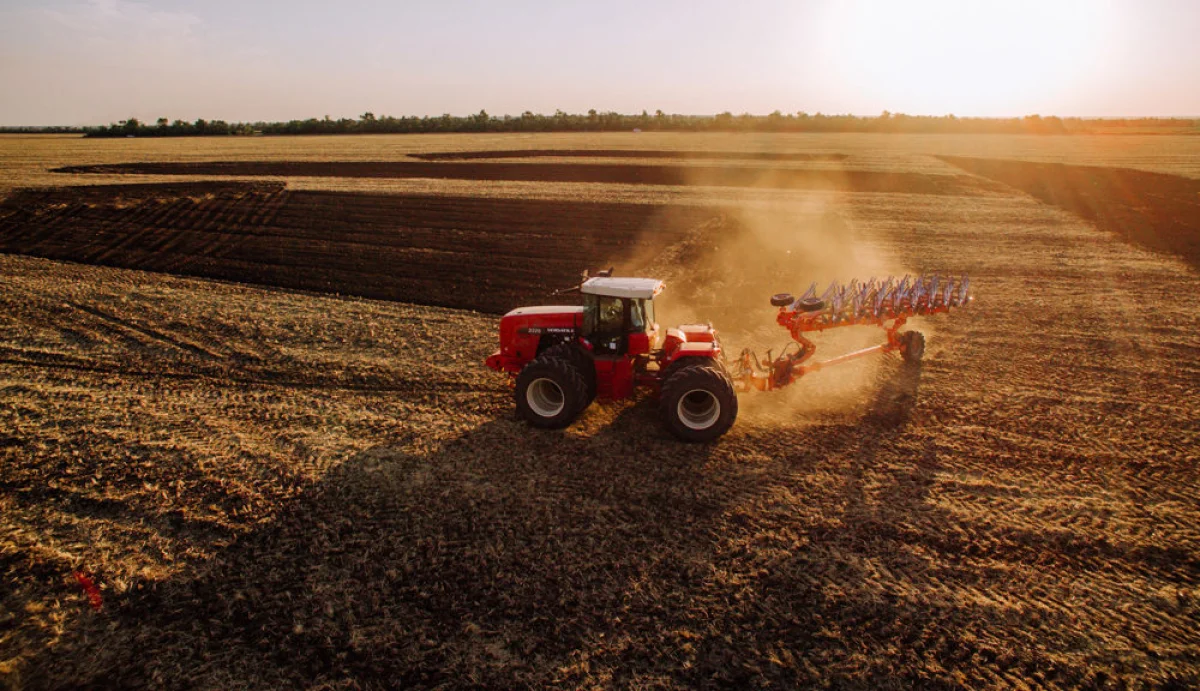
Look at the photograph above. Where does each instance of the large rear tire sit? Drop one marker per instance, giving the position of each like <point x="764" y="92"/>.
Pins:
<point x="550" y="392"/>
<point x="583" y="362"/>
<point x="698" y="403"/>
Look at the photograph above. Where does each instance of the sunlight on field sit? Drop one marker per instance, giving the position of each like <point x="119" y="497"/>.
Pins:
<point x="252" y="408"/>
<point x="27" y="160"/>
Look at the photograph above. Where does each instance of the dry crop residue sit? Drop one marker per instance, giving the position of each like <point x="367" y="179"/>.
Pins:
<point x="280" y="489"/>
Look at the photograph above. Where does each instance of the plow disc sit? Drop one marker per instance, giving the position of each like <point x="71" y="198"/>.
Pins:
<point x="884" y="303"/>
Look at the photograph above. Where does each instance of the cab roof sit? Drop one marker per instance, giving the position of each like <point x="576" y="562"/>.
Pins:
<point x="622" y="287"/>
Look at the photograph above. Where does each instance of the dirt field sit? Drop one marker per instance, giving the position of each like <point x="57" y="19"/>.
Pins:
<point x="276" y="481"/>
<point x="632" y="153"/>
<point x="468" y="252"/>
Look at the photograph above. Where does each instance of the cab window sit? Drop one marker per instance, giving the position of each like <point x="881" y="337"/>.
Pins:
<point x="612" y="314"/>
<point x="603" y="314"/>
<point x="637" y="317"/>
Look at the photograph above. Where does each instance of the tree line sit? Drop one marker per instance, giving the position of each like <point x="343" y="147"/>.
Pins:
<point x="593" y="121"/>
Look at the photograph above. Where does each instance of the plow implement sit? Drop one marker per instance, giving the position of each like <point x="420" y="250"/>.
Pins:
<point x="887" y="304"/>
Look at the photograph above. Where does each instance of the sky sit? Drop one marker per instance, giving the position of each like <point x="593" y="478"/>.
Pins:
<point x="90" y="62"/>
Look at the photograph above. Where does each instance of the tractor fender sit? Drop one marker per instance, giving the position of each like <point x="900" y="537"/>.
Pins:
<point x="697" y="333"/>
<point x="703" y="350"/>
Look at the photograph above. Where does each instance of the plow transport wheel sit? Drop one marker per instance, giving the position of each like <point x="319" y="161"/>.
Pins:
<point x="698" y="402"/>
<point x="912" y="346"/>
<point x="550" y="392"/>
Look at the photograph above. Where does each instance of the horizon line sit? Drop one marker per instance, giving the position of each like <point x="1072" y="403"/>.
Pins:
<point x="636" y="114"/>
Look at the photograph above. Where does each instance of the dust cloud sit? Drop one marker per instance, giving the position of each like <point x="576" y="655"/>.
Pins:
<point x="725" y="271"/>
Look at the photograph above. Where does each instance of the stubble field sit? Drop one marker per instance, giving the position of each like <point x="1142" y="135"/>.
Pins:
<point x="243" y="393"/>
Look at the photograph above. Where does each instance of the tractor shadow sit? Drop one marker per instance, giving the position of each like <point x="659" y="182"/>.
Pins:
<point x="506" y="557"/>
<point x="503" y="557"/>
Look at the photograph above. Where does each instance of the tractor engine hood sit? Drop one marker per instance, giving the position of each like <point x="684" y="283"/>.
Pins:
<point x="522" y="329"/>
<point x="560" y="318"/>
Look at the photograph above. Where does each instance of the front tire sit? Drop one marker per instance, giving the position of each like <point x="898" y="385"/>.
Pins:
<point x="698" y="403"/>
<point x="550" y="392"/>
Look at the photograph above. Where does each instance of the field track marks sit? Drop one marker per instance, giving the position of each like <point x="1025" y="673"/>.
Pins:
<point x="1155" y="210"/>
<point x="631" y="153"/>
<point x="428" y="384"/>
<point x="129" y="327"/>
<point x="764" y="177"/>
<point x="128" y="513"/>
<point x="118" y="331"/>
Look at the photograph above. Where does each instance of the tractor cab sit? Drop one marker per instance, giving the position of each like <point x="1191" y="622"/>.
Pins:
<point x="618" y="315"/>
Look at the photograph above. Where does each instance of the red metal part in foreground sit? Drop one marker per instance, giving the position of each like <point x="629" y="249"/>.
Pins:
<point x="90" y="589"/>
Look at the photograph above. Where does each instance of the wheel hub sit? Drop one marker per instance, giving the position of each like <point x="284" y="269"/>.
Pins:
<point x="699" y="409"/>
<point x="545" y="397"/>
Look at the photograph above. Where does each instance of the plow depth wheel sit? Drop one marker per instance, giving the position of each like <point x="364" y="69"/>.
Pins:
<point x="698" y="402"/>
<point x="912" y="346"/>
<point x="550" y="392"/>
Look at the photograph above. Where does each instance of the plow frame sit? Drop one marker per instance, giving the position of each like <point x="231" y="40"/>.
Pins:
<point x="751" y="374"/>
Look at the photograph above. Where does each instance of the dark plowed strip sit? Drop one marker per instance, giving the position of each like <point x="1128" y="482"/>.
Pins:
<point x="718" y="176"/>
<point x="1155" y="210"/>
<point x="627" y="153"/>
<point x="483" y="254"/>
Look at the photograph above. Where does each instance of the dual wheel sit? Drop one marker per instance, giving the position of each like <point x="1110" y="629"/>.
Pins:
<point x="697" y="404"/>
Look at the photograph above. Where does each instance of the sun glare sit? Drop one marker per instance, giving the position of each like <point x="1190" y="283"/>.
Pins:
<point x="966" y="57"/>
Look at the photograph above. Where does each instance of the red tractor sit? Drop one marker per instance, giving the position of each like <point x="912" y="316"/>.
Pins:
<point x="564" y="357"/>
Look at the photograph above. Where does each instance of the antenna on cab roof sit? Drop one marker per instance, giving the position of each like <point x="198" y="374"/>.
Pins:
<point x="606" y="273"/>
<point x="583" y="277"/>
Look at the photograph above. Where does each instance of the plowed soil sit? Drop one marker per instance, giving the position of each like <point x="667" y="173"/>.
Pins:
<point x="1159" y="211"/>
<point x="638" y="174"/>
<point x="484" y="254"/>
<point x="631" y="153"/>
<point x="276" y="488"/>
